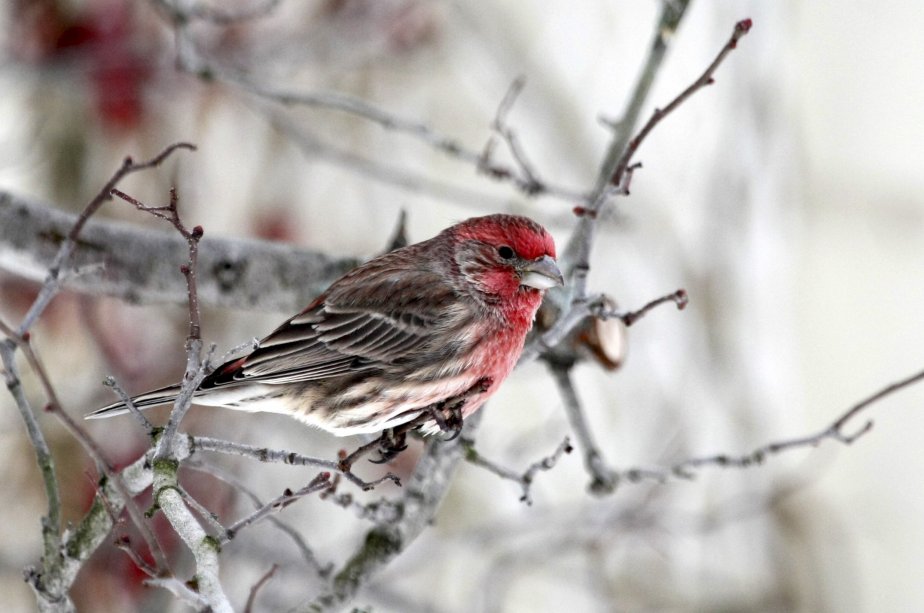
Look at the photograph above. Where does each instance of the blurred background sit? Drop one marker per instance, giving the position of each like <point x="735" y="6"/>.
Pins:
<point x="786" y="199"/>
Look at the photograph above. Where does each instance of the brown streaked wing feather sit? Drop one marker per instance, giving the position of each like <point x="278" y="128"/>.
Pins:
<point x="396" y="313"/>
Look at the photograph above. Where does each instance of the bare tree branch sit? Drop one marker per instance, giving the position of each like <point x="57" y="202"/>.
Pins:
<point x="687" y="469"/>
<point x="521" y="178"/>
<point x="47" y="585"/>
<point x="573" y="302"/>
<point x="625" y="160"/>
<point x="524" y="479"/>
<point x="419" y="504"/>
<point x="577" y="251"/>
<point x="53" y="280"/>
<point x="264" y="454"/>
<point x="140" y="265"/>
<point x="320" y="483"/>
<point x="679" y="298"/>
<point x="183" y="593"/>
<point x="252" y="598"/>
<point x="322" y="571"/>
<point x="603" y="478"/>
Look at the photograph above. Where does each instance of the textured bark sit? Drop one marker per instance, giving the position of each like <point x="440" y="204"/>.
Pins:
<point x="141" y="266"/>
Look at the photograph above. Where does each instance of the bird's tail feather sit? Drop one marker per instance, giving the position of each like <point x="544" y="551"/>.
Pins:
<point x="164" y="395"/>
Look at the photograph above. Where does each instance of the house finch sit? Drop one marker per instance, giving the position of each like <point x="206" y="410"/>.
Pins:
<point x="432" y="322"/>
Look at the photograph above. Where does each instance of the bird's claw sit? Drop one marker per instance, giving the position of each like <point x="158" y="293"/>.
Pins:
<point x="391" y="443"/>
<point x="449" y="420"/>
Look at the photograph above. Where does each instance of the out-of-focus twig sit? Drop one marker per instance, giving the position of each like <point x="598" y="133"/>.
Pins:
<point x="217" y="15"/>
<point x="252" y="597"/>
<point x="603" y="479"/>
<point x="679" y="298"/>
<point x="527" y="179"/>
<point x="524" y="479"/>
<point x="191" y="59"/>
<point x="526" y="183"/>
<point x="686" y="469"/>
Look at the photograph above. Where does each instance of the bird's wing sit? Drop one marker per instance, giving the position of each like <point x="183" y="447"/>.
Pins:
<point x="375" y="324"/>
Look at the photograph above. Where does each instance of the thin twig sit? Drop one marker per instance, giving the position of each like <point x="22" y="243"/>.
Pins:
<point x="319" y="483"/>
<point x="264" y="454"/>
<point x="168" y="494"/>
<point x="527" y="179"/>
<point x="210" y="518"/>
<point x="679" y="298"/>
<point x="96" y="453"/>
<point x="124" y="543"/>
<point x="603" y="478"/>
<point x="672" y="14"/>
<point x="252" y="598"/>
<point x="835" y="431"/>
<point x="196" y="371"/>
<point x="323" y="571"/>
<point x="181" y="591"/>
<point x="741" y="29"/>
<point x="119" y="391"/>
<point x="580" y="244"/>
<point x="524" y="479"/>
<point x="170" y="213"/>
<point x="53" y="280"/>
<point x="196" y="368"/>
<point x="617" y="171"/>
<point x="382" y="511"/>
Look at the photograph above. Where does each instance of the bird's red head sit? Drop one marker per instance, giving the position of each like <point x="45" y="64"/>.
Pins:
<point x="527" y="238"/>
<point x="507" y="258"/>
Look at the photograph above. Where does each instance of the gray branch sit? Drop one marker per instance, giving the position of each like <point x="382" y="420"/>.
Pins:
<point x="421" y="501"/>
<point x="141" y="266"/>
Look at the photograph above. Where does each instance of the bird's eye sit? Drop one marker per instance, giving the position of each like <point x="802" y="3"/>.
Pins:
<point x="505" y="252"/>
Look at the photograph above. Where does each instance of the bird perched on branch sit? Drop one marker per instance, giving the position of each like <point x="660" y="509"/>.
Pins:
<point x="441" y="321"/>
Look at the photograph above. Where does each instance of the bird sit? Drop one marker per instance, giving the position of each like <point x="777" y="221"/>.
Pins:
<point x="442" y="320"/>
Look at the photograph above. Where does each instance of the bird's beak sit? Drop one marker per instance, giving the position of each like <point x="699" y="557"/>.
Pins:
<point x="541" y="273"/>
